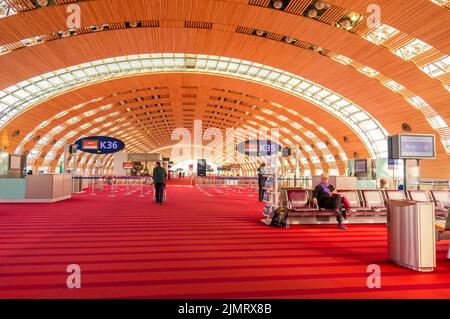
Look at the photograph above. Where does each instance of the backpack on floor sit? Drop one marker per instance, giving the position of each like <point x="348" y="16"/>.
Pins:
<point x="279" y="218"/>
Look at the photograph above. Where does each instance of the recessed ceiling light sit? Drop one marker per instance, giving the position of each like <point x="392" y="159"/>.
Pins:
<point x="288" y="40"/>
<point x="259" y="32"/>
<point x="42" y="3"/>
<point x="278" y="4"/>
<point x="319" y="5"/>
<point x="312" y="13"/>
<point x="345" y="24"/>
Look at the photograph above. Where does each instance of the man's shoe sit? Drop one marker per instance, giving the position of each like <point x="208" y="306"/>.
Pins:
<point x="342" y="227"/>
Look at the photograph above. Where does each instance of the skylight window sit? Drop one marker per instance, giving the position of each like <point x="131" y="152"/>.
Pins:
<point x="381" y="33"/>
<point x="412" y="49"/>
<point x="61" y="114"/>
<point x="73" y="120"/>
<point x="394" y="85"/>
<point x="89" y="113"/>
<point x="418" y="102"/>
<point x="441" y="2"/>
<point x="321" y="145"/>
<point x="437" y="122"/>
<point x="438" y="67"/>
<point x="43" y="124"/>
<point x="342" y="59"/>
<point x="369" y="71"/>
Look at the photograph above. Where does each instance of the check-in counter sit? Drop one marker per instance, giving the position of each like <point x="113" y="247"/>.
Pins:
<point x="411" y="234"/>
<point x="48" y="187"/>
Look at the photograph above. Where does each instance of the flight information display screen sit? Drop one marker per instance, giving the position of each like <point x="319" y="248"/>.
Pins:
<point x="417" y="146"/>
<point x="361" y="166"/>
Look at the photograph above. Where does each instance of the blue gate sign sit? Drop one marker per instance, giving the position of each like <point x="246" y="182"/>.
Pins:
<point x="100" y="144"/>
<point x="258" y="147"/>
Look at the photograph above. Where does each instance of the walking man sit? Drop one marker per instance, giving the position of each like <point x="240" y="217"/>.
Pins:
<point x="261" y="180"/>
<point x="159" y="180"/>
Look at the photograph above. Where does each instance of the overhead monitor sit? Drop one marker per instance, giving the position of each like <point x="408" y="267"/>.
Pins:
<point x="360" y="166"/>
<point x="412" y="146"/>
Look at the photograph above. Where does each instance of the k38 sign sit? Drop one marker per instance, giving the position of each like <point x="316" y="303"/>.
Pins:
<point x="100" y="144"/>
<point x="258" y="147"/>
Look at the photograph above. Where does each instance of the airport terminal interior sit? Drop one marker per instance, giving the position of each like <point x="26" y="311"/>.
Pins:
<point x="224" y="149"/>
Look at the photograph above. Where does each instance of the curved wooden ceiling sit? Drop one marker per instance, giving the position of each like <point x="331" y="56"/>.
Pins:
<point x="227" y="20"/>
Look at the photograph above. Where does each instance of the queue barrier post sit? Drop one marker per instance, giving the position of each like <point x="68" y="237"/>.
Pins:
<point x="127" y="182"/>
<point x="142" y="188"/>
<point x="92" y="186"/>
<point x="251" y="188"/>
<point x="112" y="188"/>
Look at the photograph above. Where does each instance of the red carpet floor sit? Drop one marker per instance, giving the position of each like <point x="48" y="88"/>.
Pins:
<point x="194" y="246"/>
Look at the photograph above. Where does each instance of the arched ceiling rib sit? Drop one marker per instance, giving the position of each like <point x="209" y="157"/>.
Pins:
<point x="290" y="117"/>
<point x="437" y="69"/>
<point x="105" y="69"/>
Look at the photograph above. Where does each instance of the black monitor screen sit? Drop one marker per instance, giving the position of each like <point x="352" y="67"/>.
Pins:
<point x="360" y="166"/>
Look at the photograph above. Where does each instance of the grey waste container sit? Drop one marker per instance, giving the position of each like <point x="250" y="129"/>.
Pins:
<point x="411" y="234"/>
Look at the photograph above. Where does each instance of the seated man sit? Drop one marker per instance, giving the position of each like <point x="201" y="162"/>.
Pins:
<point x="326" y="196"/>
<point x="383" y="184"/>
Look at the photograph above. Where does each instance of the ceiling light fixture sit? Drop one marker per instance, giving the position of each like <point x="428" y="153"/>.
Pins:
<point x="42" y="3"/>
<point x="312" y="13"/>
<point x="288" y="40"/>
<point x="345" y="24"/>
<point x="319" y="5"/>
<point x="278" y="4"/>
<point x="259" y="32"/>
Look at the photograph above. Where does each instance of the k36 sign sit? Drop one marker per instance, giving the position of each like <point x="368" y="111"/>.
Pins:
<point x="100" y="144"/>
<point x="258" y="147"/>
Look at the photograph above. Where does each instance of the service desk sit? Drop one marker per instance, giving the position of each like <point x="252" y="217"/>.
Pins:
<point x="48" y="187"/>
<point x="411" y="234"/>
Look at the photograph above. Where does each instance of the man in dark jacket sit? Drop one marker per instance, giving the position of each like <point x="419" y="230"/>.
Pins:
<point x="159" y="180"/>
<point x="261" y="181"/>
<point x="326" y="196"/>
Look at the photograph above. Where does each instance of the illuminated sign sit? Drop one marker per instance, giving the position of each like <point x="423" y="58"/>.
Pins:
<point x="235" y="167"/>
<point x="258" y="147"/>
<point x="128" y="165"/>
<point x="100" y="144"/>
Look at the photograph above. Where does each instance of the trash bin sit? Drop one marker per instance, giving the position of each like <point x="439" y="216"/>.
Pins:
<point x="76" y="184"/>
<point x="411" y="234"/>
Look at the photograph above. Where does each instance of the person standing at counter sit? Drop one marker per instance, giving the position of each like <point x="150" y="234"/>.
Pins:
<point x="159" y="180"/>
<point x="326" y="196"/>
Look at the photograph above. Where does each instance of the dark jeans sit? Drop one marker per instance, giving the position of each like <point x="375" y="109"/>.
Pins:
<point x="334" y="203"/>
<point x="261" y="194"/>
<point x="159" y="192"/>
<point x="261" y="182"/>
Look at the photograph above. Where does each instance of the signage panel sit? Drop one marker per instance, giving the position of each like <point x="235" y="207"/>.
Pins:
<point x="128" y="165"/>
<point x="258" y="147"/>
<point x="100" y="144"/>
